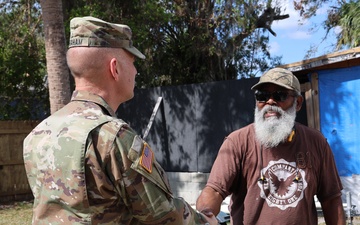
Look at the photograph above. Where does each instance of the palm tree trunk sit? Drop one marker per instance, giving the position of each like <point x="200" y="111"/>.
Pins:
<point x="55" y="46"/>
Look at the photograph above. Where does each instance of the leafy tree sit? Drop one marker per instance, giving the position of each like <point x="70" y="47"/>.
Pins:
<point x="23" y="93"/>
<point x="343" y="14"/>
<point x="350" y="23"/>
<point x="192" y="41"/>
<point x="185" y="41"/>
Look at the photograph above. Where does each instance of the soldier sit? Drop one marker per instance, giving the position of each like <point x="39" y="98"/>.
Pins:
<point x="84" y="165"/>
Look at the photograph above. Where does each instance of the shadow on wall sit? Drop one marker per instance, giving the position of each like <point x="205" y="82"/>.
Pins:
<point x="192" y="120"/>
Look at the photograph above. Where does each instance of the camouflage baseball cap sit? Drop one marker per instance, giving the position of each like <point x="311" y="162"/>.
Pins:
<point x="93" y="32"/>
<point x="281" y="77"/>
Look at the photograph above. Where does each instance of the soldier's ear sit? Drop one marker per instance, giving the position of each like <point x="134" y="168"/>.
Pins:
<point x="114" y="69"/>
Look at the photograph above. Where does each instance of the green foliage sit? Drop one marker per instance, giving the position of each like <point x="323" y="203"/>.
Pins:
<point x="344" y="14"/>
<point x="350" y="24"/>
<point x="22" y="65"/>
<point x="189" y="41"/>
<point x="185" y="41"/>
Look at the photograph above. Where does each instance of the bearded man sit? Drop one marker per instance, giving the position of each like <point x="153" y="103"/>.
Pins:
<point x="275" y="166"/>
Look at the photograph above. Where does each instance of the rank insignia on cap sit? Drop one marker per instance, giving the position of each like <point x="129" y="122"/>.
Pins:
<point x="147" y="158"/>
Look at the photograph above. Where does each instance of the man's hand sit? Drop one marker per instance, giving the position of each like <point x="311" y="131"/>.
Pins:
<point x="210" y="217"/>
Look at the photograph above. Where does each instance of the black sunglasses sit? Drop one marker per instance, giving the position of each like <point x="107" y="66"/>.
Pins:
<point x="278" y="96"/>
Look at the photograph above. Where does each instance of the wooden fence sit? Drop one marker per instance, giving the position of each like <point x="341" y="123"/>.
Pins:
<point x="13" y="182"/>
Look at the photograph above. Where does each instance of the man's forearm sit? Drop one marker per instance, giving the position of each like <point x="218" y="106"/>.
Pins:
<point x="333" y="211"/>
<point x="209" y="200"/>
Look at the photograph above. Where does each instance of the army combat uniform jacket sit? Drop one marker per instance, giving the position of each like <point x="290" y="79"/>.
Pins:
<point x="85" y="166"/>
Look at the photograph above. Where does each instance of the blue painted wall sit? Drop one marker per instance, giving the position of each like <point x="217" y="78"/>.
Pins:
<point x="339" y="93"/>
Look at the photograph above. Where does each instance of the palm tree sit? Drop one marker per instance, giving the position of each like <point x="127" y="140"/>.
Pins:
<point x="55" y="46"/>
<point x="350" y="25"/>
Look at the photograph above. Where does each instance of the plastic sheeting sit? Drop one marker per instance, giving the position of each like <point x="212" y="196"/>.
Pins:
<point x="339" y="93"/>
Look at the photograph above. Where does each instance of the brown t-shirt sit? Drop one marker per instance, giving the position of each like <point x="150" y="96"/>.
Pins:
<point x="280" y="198"/>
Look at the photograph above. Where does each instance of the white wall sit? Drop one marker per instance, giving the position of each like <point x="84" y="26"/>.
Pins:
<point x="352" y="185"/>
<point x="187" y="185"/>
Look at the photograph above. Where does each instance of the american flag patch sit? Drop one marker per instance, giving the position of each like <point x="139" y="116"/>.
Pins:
<point x="147" y="157"/>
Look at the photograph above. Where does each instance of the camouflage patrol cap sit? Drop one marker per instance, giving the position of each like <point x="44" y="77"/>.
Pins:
<point x="281" y="77"/>
<point x="92" y="32"/>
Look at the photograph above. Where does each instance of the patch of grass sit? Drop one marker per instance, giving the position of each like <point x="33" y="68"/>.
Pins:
<point x="16" y="213"/>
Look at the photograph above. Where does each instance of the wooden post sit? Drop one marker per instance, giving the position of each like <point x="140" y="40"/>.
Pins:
<point x="315" y="97"/>
<point x="311" y="90"/>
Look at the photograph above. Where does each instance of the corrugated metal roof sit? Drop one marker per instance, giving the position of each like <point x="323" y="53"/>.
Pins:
<point x="334" y="60"/>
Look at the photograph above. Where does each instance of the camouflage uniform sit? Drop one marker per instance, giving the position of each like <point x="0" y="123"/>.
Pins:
<point x="85" y="166"/>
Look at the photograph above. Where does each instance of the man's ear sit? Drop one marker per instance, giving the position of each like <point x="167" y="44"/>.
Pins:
<point x="113" y="69"/>
<point x="299" y="102"/>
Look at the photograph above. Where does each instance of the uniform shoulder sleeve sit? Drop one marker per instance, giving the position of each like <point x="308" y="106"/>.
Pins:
<point x="146" y="190"/>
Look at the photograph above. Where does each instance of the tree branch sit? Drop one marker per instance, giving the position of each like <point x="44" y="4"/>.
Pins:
<point x="269" y="15"/>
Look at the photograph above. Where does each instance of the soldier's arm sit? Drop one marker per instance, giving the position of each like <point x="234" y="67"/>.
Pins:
<point x="146" y="192"/>
<point x="151" y="202"/>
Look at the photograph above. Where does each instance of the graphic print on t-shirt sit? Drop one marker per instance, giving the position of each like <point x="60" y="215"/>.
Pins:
<point x="280" y="188"/>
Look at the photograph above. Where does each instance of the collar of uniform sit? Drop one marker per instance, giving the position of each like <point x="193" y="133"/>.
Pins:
<point x="91" y="97"/>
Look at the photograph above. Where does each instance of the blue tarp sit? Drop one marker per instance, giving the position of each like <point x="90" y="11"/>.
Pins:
<point x="339" y="96"/>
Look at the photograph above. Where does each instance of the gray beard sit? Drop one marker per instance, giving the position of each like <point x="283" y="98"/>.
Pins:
<point x="270" y="132"/>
